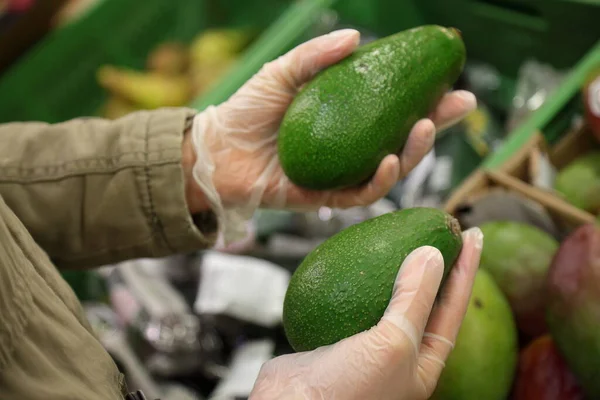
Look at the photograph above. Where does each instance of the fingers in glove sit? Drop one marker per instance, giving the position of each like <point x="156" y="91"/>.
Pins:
<point x="414" y="293"/>
<point x="385" y="178"/>
<point x="419" y="143"/>
<point x="302" y="63"/>
<point x="447" y="316"/>
<point x="453" y="107"/>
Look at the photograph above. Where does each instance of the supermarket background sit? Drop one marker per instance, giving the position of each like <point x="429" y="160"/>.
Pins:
<point x="198" y="326"/>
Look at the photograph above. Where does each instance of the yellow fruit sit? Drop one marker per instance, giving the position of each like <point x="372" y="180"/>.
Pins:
<point x="169" y="58"/>
<point x="215" y="45"/>
<point x="148" y="90"/>
<point x="207" y="75"/>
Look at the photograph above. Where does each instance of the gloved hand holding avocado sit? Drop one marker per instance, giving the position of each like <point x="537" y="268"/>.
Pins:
<point x="328" y="124"/>
<point x="361" y="309"/>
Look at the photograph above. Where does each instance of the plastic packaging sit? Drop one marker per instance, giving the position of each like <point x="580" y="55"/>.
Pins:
<point x="160" y="325"/>
<point x="536" y="83"/>
<point x="245" y="288"/>
<point x="329" y="221"/>
<point x="457" y="152"/>
<point x="483" y="79"/>
<point x="105" y="324"/>
<point x="246" y="363"/>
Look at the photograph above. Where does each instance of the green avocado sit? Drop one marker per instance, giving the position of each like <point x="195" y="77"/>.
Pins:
<point x="345" y="284"/>
<point x="579" y="182"/>
<point x="483" y="362"/>
<point x="352" y="114"/>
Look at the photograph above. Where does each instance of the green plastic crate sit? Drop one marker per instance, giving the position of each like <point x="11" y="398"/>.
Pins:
<point x="56" y="80"/>
<point x="500" y="32"/>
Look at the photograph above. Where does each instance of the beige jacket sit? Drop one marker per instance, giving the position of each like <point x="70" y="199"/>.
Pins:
<point x="81" y="194"/>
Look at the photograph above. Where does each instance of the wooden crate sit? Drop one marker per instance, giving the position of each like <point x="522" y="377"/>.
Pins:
<point x="525" y="179"/>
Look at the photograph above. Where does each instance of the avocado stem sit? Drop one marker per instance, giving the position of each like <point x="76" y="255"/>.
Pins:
<point x="457" y="31"/>
<point x="454" y="225"/>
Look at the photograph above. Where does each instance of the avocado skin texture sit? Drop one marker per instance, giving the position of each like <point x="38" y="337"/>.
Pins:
<point x="351" y="115"/>
<point x="483" y="363"/>
<point x="344" y="285"/>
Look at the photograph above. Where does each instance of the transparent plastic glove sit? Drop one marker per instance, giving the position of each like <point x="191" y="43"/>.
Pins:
<point x="237" y="166"/>
<point x="402" y="357"/>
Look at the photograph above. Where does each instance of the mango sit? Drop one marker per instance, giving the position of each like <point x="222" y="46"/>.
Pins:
<point x="518" y="256"/>
<point x="483" y="363"/>
<point x="544" y="375"/>
<point x="573" y="305"/>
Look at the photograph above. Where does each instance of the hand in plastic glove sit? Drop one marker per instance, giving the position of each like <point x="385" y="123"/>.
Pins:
<point x="402" y="357"/>
<point x="237" y="168"/>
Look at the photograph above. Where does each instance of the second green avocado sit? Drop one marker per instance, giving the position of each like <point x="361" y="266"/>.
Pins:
<point x="345" y="284"/>
<point x="352" y="114"/>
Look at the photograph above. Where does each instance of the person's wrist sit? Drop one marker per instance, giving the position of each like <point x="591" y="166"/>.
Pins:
<point x="195" y="199"/>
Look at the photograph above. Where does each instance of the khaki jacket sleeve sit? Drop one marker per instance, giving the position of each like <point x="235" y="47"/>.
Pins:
<point x="93" y="192"/>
